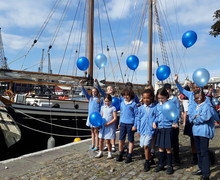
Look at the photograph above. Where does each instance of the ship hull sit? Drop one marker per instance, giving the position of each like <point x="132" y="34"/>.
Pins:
<point x="38" y="124"/>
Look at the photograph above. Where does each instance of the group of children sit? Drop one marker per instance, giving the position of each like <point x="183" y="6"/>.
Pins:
<point x="147" y="119"/>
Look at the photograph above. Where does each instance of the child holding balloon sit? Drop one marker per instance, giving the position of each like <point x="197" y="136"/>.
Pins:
<point x="111" y="91"/>
<point x="175" y="100"/>
<point x="146" y="117"/>
<point x="108" y="131"/>
<point x="127" y="123"/>
<point x="95" y="103"/>
<point x="165" y="132"/>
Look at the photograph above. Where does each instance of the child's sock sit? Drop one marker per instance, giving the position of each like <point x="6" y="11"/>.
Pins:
<point x="161" y="158"/>
<point x="169" y="159"/>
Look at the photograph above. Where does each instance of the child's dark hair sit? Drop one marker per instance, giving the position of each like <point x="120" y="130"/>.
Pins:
<point x="149" y="91"/>
<point x="162" y="92"/>
<point x="129" y="84"/>
<point x="109" y="97"/>
<point x="129" y="92"/>
<point x="200" y="92"/>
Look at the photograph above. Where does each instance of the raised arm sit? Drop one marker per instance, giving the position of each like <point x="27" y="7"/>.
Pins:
<point x="99" y="88"/>
<point x="84" y="90"/>
<point x="181" y="89"/>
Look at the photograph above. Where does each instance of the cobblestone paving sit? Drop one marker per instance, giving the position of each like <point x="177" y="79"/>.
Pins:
<point x="81" y="166"/>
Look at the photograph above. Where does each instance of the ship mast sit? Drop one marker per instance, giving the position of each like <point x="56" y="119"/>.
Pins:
<point x="150" y="14"/>
<point x="4" y="64"/>
<point x="90" y="40"/>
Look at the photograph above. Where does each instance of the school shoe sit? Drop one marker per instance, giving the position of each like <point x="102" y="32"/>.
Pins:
<point x="198" y="172"/>
<point x="128" y="159"/>
<point x="99" y="155"/>
<point x="169" y="170"/>
<point x="119" y="158"/>
<point x="146" y="166"/>
<point x="105" y="148"/>
<point x="159" y="168"/>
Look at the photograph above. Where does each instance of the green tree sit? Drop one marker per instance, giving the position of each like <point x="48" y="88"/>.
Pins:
<point x="215" y="28"/>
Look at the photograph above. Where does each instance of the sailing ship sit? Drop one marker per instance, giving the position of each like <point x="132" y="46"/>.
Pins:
<point x="39" y="118"/>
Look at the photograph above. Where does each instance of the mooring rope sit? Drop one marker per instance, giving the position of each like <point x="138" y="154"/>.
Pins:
<point x="43" y="132"/>
<point x="67" y="127"/>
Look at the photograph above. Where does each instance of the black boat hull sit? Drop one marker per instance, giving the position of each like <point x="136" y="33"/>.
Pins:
<point x="38" y="124"/>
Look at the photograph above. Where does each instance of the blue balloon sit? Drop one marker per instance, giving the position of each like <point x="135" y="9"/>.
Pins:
<point x="100" y="60"/>
<point x="215" y="101"/>
<point x="170" y="110"/>
<point x="116" y="103"/>
<point x="163" y="72"/>
<point x="201" y="77"/>
<point x="95" y="119"/>
<point x="189" y="38"/>
<point x="132" y="62"/>
<point x="82" y="63"/>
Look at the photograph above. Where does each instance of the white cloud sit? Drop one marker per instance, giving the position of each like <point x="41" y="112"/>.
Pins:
<point x="143" y="66"/>
<point x="119" y="9"/>
<point x="23" y="13"/>
<point x="190" y="12"/>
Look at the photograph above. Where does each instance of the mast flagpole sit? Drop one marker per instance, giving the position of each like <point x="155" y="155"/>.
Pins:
<point x="90" y="38"/>
<point x="150" y="29"/>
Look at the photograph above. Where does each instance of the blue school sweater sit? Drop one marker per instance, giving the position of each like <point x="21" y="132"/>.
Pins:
<point x="129" y="113"/>
<point x="146" y="117"/>
<point x="203" y="125"/>
<point x="193" y="104"/>
<point x="161" y="120"/>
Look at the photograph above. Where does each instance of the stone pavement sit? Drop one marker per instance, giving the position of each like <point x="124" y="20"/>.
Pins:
<point x="75" y="161"/>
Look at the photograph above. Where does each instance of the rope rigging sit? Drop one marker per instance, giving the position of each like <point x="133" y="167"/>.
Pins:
<point x="162" y="45"/>
<point x="173" y="46"/>
<point x="70" y="33"/>
<point x="100" y="32"/>
<point x="38" y="35"/>
<point x="113" y="40"/>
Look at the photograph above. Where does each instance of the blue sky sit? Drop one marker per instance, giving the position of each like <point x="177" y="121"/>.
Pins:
<point x="21" y="21"/>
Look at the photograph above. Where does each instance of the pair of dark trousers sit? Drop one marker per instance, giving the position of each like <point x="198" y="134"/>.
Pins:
<point x="202" y="147"/>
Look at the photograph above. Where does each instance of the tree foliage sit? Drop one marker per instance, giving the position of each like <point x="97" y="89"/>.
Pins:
<point x="215" y="28"/>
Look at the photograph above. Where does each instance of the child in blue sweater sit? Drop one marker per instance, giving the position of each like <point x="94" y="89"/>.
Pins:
<point x="127" y="123"/>
<point x="95" y="103"/>
<point x="147" y="115"/>
<point x="203" y="130"/>
<point x="165" y="132"/>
